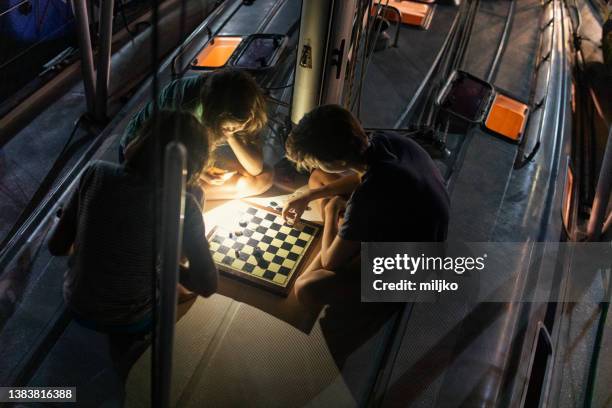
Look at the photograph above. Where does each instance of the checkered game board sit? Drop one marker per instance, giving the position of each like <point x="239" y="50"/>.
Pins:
<point x="262" y="248"/>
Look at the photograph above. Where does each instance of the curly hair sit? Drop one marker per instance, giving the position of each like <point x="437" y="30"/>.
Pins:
<point x="326" y="134"/>
<point x="232" y="94"/>
<point x="173" y="126"/>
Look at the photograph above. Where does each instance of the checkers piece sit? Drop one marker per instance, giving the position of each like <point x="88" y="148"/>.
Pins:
<point x="267" y="252"/>
<point x="244" y="221"/>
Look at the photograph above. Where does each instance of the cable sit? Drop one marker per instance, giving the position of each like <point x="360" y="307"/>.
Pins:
<point x="276" y="133"/>
<point x="278" y="87"/>
<point x="277" y="101"/>
<point x="368" y="51"/>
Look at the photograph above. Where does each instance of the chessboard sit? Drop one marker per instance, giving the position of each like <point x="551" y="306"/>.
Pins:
<point x="262" y="249"/>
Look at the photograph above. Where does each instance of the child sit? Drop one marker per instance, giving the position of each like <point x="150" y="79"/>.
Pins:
<point x="110" y="225"/>
<point x="396" y="195"/>
<point x="232" y="108"/>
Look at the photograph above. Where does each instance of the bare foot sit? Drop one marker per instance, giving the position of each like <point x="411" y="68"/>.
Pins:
<point x="184" y="294"/>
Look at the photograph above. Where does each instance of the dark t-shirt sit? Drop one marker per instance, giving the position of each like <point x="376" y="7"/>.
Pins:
<point x="181" y="94"/>
<point x="109" y="280"/>
<point x="401" y="198"/>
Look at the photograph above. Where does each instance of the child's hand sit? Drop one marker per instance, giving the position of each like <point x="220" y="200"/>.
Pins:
<point x="295" y="207"/>
<point x="216" y="176"/>
<point x="335" y="207"/>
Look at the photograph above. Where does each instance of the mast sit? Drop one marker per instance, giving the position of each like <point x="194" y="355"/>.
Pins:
<point x="325" y="32"/>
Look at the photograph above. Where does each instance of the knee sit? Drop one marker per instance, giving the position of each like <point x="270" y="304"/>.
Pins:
<point x="306" y="291"/>
<point x="303" y="291"/>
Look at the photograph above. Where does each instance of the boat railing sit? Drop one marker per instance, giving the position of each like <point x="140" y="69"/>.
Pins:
<point x="543" y="57"/>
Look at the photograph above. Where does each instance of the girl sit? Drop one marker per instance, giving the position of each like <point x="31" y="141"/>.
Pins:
<point x="231" y="107"/>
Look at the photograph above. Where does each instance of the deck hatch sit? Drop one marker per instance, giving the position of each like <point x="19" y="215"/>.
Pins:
<point x="259" y="51"/>
<point x="477" y="101"/>
<point x="216" y="53"/>
<point x="466" y="96"/>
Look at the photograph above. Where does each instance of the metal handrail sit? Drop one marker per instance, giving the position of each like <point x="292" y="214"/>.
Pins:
<point x="502" y="42"/>
<point x="527" y="158"/>
<point x="104" y="59"/>
<point x="14" y="7"/>
<point x="172" y="233"/>
<point x="417" y="95"/>
<point x="602" y="193"/>
<point x="87" y="66"/>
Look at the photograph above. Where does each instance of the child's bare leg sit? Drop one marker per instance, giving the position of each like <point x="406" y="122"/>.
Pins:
<point x="319" y="178"/>
<point x="184" y="294"/>
<point x="317" y="286"/>
<point x="240" y="185"/>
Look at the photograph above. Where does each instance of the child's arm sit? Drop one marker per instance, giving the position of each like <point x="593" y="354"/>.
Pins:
<point x="336" y="251"/>
<point x="201" y="276"/>
<point x="295" y="207"/>
<point x="64" y="232"/>
<point x="250" y="155"/>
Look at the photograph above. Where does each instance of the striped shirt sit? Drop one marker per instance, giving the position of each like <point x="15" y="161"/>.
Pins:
<point x="110" y="275"/>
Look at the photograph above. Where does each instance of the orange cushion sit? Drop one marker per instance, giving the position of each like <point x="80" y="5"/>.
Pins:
<point x="507" y="117"/>
<point x="217" y="52"/>
<point x="412" y="13"/>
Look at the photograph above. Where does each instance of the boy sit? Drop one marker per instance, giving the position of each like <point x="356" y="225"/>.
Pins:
<point x="396" y="195"/>
<point x="109" y="226"/>
<point x="232" y="109"/>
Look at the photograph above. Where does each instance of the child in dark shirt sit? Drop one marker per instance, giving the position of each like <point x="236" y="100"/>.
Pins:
<point x="109" y="228"/>
<point x="396" y="195"/>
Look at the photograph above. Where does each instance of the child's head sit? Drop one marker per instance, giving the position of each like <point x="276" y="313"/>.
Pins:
<point x="329" y="138"/>
<point x="233" y="103"/>
<point x="172" y="126"/>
